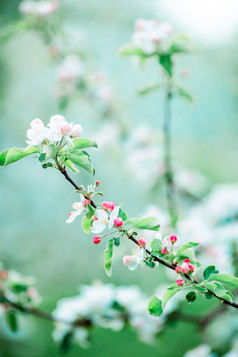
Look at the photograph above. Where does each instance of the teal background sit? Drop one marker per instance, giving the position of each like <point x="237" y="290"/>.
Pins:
<point x="34" y="203"/>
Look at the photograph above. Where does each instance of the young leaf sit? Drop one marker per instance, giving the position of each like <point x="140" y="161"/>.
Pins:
<point x="11" y="319"/>
<point x="208" y="271"/>
<point x="122" y="215"/>
<point x="9" y="156"/>
<point x="186" y="246"/>
<point x="71" y="166"/>
<point x="47" y="164"/>
<point x="156" y="246"/>
<point x="149" y="223"/>
<point x="116" y="241"/>
<point x="166" y="62"/>
<point x="86" y="224"/>
<point x="108" y="254"/>
<point x="155" y="307"/>
<point x="81" y="160"/>
<point x="131" y="50"/>
<point x="150" y="263"/>
<point x="184" y="93"/>
<point x="50" y="151"/>
<point x="148" y="88"/>
<point x="82" y="144"/>
<point x="42" y="157"/>
<point x="191" y="297"/>
<point x="168" y="295"/>
<point x="227" y="279"/>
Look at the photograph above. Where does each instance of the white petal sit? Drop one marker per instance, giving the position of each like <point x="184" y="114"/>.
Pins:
<point x="133" y="264"/>
<point x="73" y="216"/>
<point x="78" y="206"/>
<point x="114" y="213"/>
<point x="98" y="226"/>
<point x="101" y="215"/>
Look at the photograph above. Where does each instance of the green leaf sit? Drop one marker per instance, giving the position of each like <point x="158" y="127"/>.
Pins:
<point x="150" y="263"/>
<point x="9" y="156"/>
<point x="42" y="157"/>
<point x="86" y="224"/>
<point x="156" y="246"/>
<point x="71" y="166"/>
<point x="108" y="254"/>
<point x="186" y="246"/>
<point x="210" y="286"/>
<point x="148" y="88"/>
<point x="131" y="50"/>
<point x="168" y="295"/>
<point x="122" y="215"/>
<point x="228" y="296"/>
<point x="82" y="144"/>
<point x="155" y="307"/>
<point x="208" y="295"/>
<point x="46" y="165"/>
<point x="116" y="241"/>
<point x="200" y="289"/>
<point x="50" y="151"/>
<point x="191" y="297"/>
<point x="81" y="160"/>
<point x="227" y="279"/>
<point x="11" y="320"/>
<point x="166" y="62"/>
<point x="208" y="271"/>
<point x="184" y="93"/>
<point x="149" y="223"/>
<point x="91" y="210"/>
<point x="180" y="43"/>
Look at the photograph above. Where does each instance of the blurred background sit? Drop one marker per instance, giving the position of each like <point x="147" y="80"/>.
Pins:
<point x="35" y="240"/>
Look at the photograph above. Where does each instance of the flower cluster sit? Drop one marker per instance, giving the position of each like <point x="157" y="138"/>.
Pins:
<point x="39" y="9"/>
<point x="149" y="34"/>
<point x="106" y="306"/>
<point x="56" y="130"/>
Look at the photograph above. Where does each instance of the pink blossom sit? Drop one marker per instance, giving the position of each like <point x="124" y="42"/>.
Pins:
<point x="180" y="282"/>
<point x="142" y="242"/>
<point x="127" y="259"/>
<point x="96" y="239"/>
<point x="118" y="222"/>
<point x="76" y="131"/>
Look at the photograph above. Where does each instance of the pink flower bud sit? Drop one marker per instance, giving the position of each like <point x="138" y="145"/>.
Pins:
<point x="142" y="242"/>
<point x="76" y="131"/>
<point x="191" y="268"/>
<point x="69" y="214"/>
<point x="127" y="259"/>
<point x="3" y="274"/>
<point x="105" y="205"/>
<point x="96" y="239"/>
<point x="111" y="206"/>
<point x="185" y="268"/>
<point x="177" y="269"/>
<point x="65" y="128"/>
<point x="163" y="251"/>
<point x="32" y="292"/>
<point x="187" y="260"/>
<point x="97" y="182"/>
<point x="118" y="222"/>
<point x="84" y="203"/>
<point x="180" y="282"/>
<point x="173" y="239"/>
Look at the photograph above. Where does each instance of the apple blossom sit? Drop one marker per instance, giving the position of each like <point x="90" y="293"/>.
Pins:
<point x="187" y="260"/>
<point x="78" y="207"/>
<point x="177" y="270"/>
<point x="71" y="69"/>
<point x="149" y="33"/>
<point x="163" y="251"/>
<point x="132" y="261"/>
<point x="40" y="9"/>
<point x="76" y="131"/>
<point x="185" y="268"/>
<point x="97" y="182"/>
<point x="104" y="220"/>
<point x="127" y="259"/>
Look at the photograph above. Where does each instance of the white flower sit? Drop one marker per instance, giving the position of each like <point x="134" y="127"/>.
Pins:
<point x="71" y="69"/>
<point x="132" y="261"/>
<point x="78" y="209"/>
<point x="166" y="244"/>
<point x="76" y="131"/>
<point x="200" y="351"/>
<point x="37" y="133"/>
<point x="104" y="220"/>
<point x="59" y="128"/>
<point x="149" y="33"/>
<point x="39" y="8"/>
